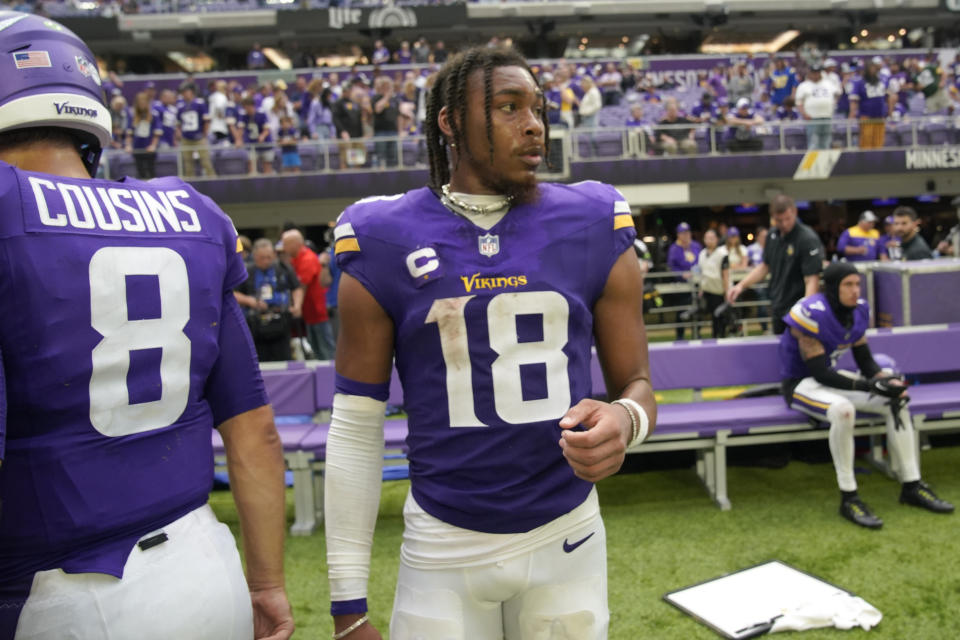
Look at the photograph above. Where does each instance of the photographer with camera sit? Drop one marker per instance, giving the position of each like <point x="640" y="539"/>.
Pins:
<point x="821" y="327"/>
<point x="271" y="297"/>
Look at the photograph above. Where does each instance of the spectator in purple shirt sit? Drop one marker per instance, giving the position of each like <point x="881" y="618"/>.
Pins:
<point x="194" y="125"/>
<point x="869" y="103"/>
<point x="742" y="135"/>
<point x="320" y="117"/>
<point x="888" y="245"/>
<point x="860" y="242"/>
<point x="167" y="111"/>
<point x="255" y="128"/>
<point x="403" y="55"/>
<point x="256" y="59"/>
<point x="717" y="82"/>
<point x="705" y="110"/>
<point x="381" y="55"/>
<point x="682" y="258"/>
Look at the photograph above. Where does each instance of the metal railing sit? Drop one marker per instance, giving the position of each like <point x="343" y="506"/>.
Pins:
<point x="403" y="153"/>
<point x="672" y="302"/>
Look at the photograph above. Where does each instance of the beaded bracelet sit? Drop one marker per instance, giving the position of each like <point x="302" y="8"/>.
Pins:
<point x="356" y="625"/>
<point x="639" y="421"/>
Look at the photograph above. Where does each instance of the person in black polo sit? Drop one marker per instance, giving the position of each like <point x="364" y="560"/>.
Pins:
<point x="906" y="226"/>
<point x="793" y="256"/>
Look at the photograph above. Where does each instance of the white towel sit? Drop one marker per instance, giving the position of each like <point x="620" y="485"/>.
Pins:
<point x="840" y="610"/>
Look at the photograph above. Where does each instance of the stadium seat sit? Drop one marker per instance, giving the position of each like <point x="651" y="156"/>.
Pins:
<point x="795" y="137"/>
<point x="613" y="116"/>
<point x="231" y="162"/>
<point x="310" y="157"/>
<point x="702" y="136"/>
<point x="845" y="135"/>
<point x="167" y="163"/>
<point x="585" y="145"/>
<point x="608" y="144"/>
<point x="936" y="132"/>
<point x="771" y="141"/>
<point x="412" y="152"/>
<point x="121" y="164"/>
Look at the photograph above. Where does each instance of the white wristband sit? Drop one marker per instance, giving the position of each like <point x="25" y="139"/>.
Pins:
<point x="643" y="426"/>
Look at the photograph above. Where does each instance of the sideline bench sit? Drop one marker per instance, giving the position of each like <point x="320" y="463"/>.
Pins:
<point x="298" y="391"/>
<point x="708" y="428"/>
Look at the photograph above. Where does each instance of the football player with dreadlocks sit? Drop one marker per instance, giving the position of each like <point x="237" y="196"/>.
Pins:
<point x="487" y="290"/>
<point x="121" y="347"/>
<point x="821" y="327"/>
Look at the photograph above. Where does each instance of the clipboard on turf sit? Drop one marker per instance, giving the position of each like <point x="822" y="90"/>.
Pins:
<point x="746" y="603"/>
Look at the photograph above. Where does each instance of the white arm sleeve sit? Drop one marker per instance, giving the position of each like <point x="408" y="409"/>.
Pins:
<point x="354" y="469"/>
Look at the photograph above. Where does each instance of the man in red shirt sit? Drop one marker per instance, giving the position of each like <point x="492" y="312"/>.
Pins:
<point x="308" y="268"/>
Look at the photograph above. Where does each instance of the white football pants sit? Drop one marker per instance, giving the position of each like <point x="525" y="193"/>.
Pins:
<point x="557" y="591"/>
<point x="190" y="586"/>
<point x="839" y="407"/>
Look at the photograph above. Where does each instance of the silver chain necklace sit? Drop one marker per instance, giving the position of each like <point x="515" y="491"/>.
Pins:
<point x="453" y="201"/>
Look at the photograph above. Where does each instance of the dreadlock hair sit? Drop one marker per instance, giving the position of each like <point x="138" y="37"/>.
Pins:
<point x="450" y="90"/>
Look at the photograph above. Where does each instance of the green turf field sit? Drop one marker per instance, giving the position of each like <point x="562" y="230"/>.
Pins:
<point x="664" y="533"/>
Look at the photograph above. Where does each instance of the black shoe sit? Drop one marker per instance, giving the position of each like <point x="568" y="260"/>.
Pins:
<point x="857" y="512"/>
<point x="921" y="495"/>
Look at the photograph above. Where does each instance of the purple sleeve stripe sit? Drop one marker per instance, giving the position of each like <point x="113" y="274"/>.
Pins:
<point x="379" y="391"/>
<point x="345" y="607"/>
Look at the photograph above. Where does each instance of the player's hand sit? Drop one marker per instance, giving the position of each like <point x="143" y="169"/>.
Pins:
<point x="366" y="631"/>
<point x="272" y="617"/>
<point x="888" y="386"/>
<point x="296" y="311"/>
<point x="599" y="451"/>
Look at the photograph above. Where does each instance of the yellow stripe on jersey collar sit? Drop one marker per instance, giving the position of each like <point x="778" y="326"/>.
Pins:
<point x="803" y="322"/>
<point x="622" y="220"/>
<point x="346" y="244"/>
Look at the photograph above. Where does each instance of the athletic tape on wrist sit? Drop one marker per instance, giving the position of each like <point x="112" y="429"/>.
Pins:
<point x="642" y="419"/>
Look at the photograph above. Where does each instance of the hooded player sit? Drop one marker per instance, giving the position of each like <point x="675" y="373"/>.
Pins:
<point x="821" y="328"/>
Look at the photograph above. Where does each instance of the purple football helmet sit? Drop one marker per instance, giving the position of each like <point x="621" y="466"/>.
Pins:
<point x="50" y="79"/>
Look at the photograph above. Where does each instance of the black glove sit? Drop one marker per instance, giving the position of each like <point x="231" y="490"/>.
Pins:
<point x="882" y="386"/>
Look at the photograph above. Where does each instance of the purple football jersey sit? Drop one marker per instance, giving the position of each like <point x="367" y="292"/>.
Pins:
<point x="812" y="316"/>
<point x="113" y="351"/>
<point x="192" y="118"/>
<point x="872" y="98"/>
<point x="493" y="331"/>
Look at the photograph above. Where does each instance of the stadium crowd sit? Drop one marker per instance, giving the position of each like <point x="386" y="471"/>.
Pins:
<point x="739" y="102"/>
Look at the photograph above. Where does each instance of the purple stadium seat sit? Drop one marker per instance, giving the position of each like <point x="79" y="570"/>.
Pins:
<point x="702" y="136"/>
<point x="608" y="144"/>
<point x="310" y="157"/>
<point x="167" y="163"/>
<point x="412" y="152"/>
<point x="613" y="116"/>
<point x="585" y="145"/>
<point x="840" y="135"/>
<point x="121" y="164"/>
<point x="936" y="132"/>
<point x="231" y="162"/>
<point x="771" y="141"/>
<point x="898" y="135"/>
<point x="795" y="137"/>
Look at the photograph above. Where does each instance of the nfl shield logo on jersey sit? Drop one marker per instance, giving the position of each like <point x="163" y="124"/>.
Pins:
<point x="489" y="245"/>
